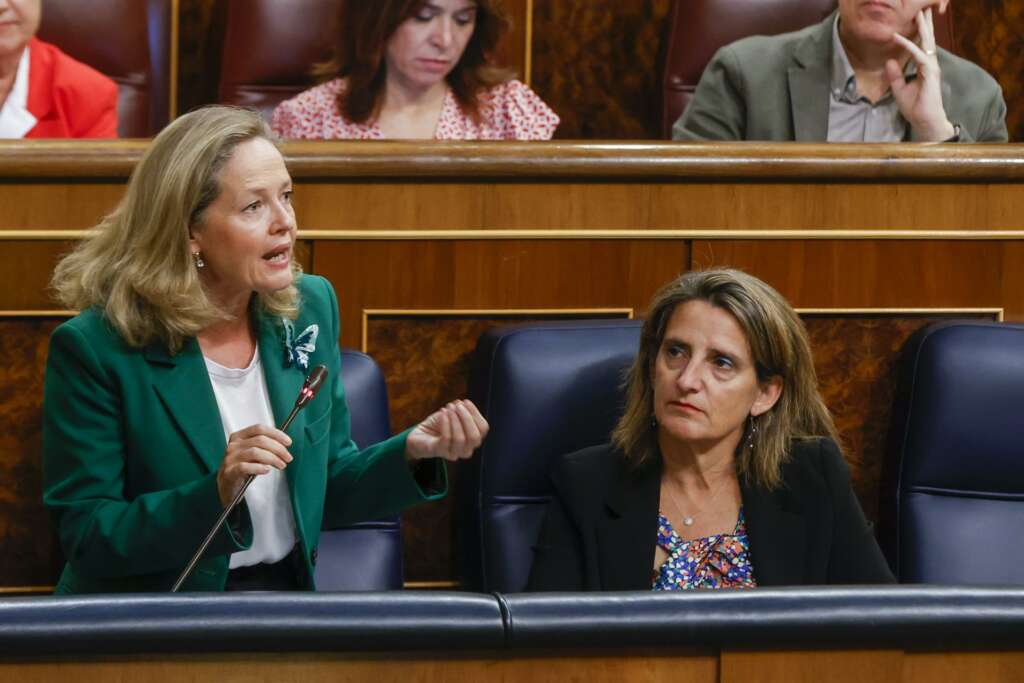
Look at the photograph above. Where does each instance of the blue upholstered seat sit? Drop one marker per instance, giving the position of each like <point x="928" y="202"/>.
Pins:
<point x="958" y="442"/>
<point x="546" y="389"/>
<point x="365" y="556"/>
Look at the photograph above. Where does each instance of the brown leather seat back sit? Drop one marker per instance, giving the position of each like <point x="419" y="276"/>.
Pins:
<point x="269" y="47"/>
<point x="698" y="28"/>
<point x="129" y="41"/>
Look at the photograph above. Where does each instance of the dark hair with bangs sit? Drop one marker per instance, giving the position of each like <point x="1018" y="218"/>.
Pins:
<point x="362" y="32"/>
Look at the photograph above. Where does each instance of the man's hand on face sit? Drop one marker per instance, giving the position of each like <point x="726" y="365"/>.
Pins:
<point x="920" y="100"/>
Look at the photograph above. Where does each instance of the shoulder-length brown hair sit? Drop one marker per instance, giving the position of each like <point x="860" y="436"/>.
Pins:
<point x="780" y="348"/>
<point x="137" y="265"/>
<point x="362" y="32"/>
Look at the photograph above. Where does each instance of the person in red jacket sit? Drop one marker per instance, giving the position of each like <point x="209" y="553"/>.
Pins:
<point x="43" y="92"/>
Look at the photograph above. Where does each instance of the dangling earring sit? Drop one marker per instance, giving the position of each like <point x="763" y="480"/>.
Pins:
<point x="197" y="258"/>
<point x="751" y="432"/>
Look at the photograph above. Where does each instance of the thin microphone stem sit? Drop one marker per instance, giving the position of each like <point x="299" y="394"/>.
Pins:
<point x="307" y="393"/>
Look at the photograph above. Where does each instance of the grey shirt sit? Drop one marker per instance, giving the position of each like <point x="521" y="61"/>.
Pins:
<point x="853" y="117"/>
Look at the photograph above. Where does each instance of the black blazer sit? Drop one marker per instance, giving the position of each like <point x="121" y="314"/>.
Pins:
<point x="601" y="525"/>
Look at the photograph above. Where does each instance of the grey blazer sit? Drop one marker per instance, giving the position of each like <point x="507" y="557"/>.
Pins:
<point x="776" y="88"/>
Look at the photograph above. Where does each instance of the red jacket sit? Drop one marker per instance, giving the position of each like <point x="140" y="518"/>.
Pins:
<point x="68" y="98"/>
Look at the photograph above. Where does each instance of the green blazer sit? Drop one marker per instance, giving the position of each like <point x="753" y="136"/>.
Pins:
<point x="777" y="88"/>
<point x="132" y="440"/>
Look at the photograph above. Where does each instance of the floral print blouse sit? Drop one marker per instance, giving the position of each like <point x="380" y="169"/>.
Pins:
<point x="716" y="561"/>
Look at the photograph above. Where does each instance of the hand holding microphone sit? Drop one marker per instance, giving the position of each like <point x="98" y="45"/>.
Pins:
<point x="253" y="451"/>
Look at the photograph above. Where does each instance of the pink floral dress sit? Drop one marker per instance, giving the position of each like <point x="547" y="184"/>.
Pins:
<point x="509" y="111"/>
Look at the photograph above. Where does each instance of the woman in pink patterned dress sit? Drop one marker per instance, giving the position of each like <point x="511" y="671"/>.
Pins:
<point x="416" y="69"/>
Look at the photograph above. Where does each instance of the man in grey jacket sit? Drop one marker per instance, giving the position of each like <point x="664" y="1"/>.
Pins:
<point x="869" y="73"/>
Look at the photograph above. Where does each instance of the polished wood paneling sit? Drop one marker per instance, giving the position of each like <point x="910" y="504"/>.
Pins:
<point x="1004" y="667"/>
<point x="457" y="274"/>
<point x="880" y="274"/>
<point x="25" y="275"/>
<point x="812" y="666"/>
<point x="677" y="667"/>
<point x="27" y="543"/>
<point x="392" y="162"/>
<point x="991" y="34"/>
<point x="596" y="65"/>
<point x="48" y="206"/>
<point x="727" y="666"/>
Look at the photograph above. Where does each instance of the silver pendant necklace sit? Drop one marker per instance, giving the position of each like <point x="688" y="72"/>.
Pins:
<point x="688" y="520"/>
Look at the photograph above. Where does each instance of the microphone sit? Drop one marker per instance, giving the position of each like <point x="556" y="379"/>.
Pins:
<point x="309" y="389"/>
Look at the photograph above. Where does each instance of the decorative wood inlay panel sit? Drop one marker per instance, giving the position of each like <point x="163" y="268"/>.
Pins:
<point x="990" y="33"/>
<point x="596" y="64"/>
<point x="27" y="538"/>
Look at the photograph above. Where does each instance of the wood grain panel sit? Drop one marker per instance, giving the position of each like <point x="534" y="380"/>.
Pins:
<point x="473" y="162"/>
<point x="56" y="206"/>
<point x="663" y="206"/>
<point x="842" y="206"/>
<point x="25" y="275"/>
<point x="881" y="666"/>
<point x="926" y="667"/>
<point x="596" y="65"/>
<point x="812" y="666"/>
<point x="391" y="668"/>
<point x="990" y="33"/>
<point x="879" y="274"/>
<point x="493" y="274"/>
<point x="27" y="542"/>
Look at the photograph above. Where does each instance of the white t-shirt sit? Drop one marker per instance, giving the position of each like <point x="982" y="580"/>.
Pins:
<point x="243" y="401"/>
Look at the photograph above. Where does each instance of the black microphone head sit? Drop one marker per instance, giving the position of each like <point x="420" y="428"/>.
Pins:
<point x="314" y="380"/>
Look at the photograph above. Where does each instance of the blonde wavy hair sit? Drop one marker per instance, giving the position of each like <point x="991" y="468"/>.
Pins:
<point x="136" y="266"/>
<point x="780" y="348"/>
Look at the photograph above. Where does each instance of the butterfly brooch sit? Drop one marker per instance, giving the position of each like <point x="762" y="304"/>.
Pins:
<point x="298" y="347"/>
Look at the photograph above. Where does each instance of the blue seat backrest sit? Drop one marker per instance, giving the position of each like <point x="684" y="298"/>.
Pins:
<point x="366" y="556"/>
<point x="959" y="440"/>
<point x="546" y="389"/>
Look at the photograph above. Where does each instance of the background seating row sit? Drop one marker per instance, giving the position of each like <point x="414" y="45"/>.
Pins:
<point x="268" y="47"/>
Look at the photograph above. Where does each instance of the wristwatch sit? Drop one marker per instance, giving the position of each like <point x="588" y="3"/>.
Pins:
<point x="956" y="134"/>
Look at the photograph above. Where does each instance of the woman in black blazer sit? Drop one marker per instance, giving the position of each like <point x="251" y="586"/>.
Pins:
<point x="724" y="469"/>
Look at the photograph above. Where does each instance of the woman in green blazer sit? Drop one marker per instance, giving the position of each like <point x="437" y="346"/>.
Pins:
<point x="197" y="331"/>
